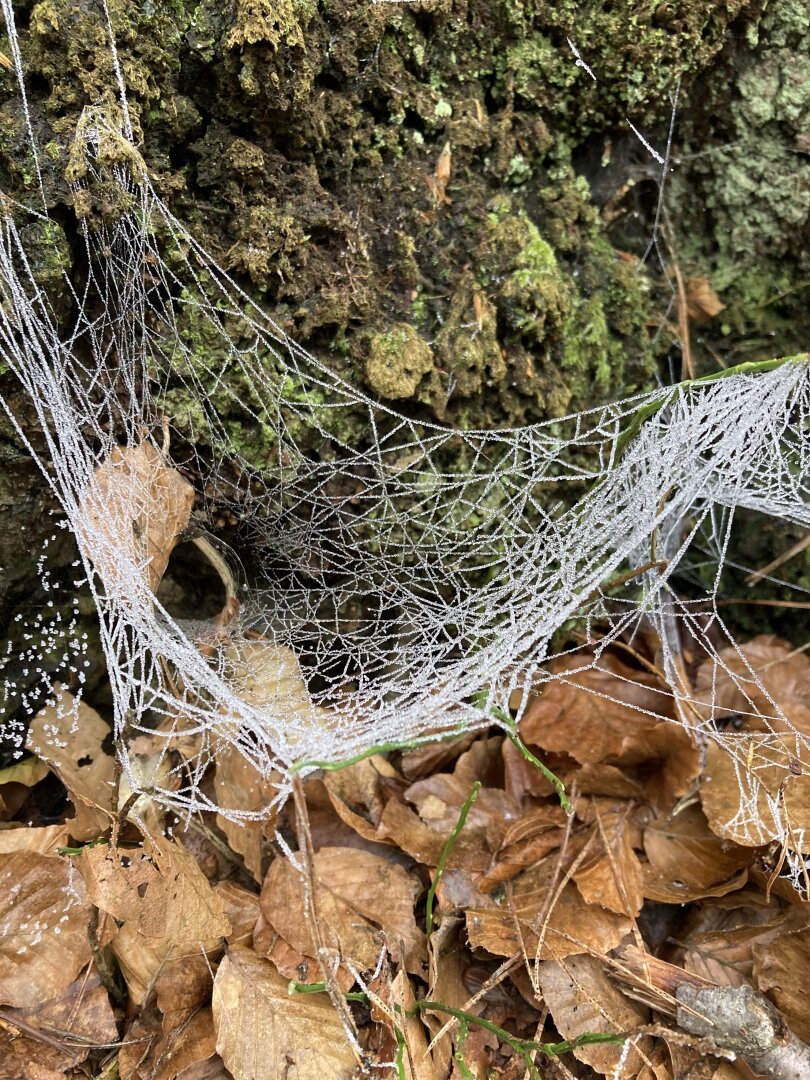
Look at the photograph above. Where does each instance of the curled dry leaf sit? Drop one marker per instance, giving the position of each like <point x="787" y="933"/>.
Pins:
<point x="264" y="1031"/>
<point x="781" y="964"/>
<point x="702" y="302"/>
<point x="581" y="999"/>
<point x="362" y="900"/>
<point x="133" y="514"/>
<point x="268" y="676"/>
<point x="43" y="927"/>
<point x="44" y="840"/>
<point x="69" y="735"/>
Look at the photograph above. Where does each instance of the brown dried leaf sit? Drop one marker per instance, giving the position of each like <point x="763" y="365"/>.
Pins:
<point x="77" y="1018"/>
<point x="28" y="772"/>
<point x="780" y="967"/>
<point x="611" y="875"/>
<point x="425" y="844"/>
<point x="44" y="840"/>
<point x="240" y="786"/>
<point x="134" y="513"/>
<point x="166" y="904"/>
<point x="69" y="735"/>
<point x="687" y="861"/>
<point x="612" y="714"/>
<point x="754" y="805"/>
<point x="263" y="1031"/>
<point x="702" y="302"/>
<point x="357" y="895"/>
<point x="418" y="1062"/>
<point x="782" y="676"/>
<point x="43" y="927"/>
<point x="573" y="926"/>
<point x="719" y="940"/>
<point x="581" y="998"/>
<point x="241" y="908"/>
<point x="152" y="1052"/>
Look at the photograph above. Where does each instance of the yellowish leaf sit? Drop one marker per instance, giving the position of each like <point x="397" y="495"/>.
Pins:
<point x="263" y="1031"/>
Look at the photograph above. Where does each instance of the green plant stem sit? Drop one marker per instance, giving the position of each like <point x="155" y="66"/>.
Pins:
<point x="380" y="748"/>
<point x="644" y="412"/>
<point x="448" y="847"/>
<point x="321" y="988"/>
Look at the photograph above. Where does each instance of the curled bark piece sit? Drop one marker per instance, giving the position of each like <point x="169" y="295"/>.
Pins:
<point x="738" y="1019"/>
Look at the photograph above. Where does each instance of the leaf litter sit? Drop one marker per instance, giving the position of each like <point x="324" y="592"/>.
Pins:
<point x="464" y="924"/>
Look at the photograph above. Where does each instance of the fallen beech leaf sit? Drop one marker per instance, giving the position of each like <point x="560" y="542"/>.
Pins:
<point x="611" y="875"/>
<point x="361" y="899"/>
<point x="418" y="1061"/>
<point x="612" y="714"/>
<point x="241" y="908"/>
<point x="425" y="844"/>
<point x="780" y="966"/>
<point x="29" y="771"/>
<point x="165" y="903"/>
<point x="263" y="1031"/>
<point x="152" y="1052"/>
<point x="69" y="735"/>
<point x="133" y="514"/>
<point x="718" y="940"/>
<point x="268" y="676"/>
<point x="702" y="302"/>
<point x="727" y="687"/>
<point x="581" y="998"/>
<point x="43" y="927"/>
<point x="573" y="926"/>
<point x="43" y="840"/>
<point x="355" y="792"/>
<point x="81" y="1016"/>
<point x="525" y="841"/>
<point x="240" y="786"/>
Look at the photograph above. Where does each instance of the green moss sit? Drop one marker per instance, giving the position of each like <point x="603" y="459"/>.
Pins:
<point x="398" y="359"/>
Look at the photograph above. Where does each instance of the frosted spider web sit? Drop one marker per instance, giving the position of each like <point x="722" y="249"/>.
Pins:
<point x="406" y="588"/>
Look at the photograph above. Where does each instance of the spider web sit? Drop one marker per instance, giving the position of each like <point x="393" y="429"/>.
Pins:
<point x="406" y="588"/>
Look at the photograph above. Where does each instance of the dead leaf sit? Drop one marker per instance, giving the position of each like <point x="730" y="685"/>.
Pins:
<point x="69" y="735"/>
<point x="755" y="802"/>
<point x="263" y="1031"/>
<point x="780" y="967"/>
<point x="166" y="906"/>
<point x="29" y="771"/>
<point x="43" y="927"/>
<point x="418" y="1062"/>
<point x="751" y="679"/>
<point x="151" y="1052"/>
<point x="702" y="302"/>
<point x="43" y="840"/>
<point x="362" y="899"/>
<point x="687" y="861"/>
<point x="240" y="786"/>
<point x="611" y="873"/>
<point x="133" y="514"/>
<point x="241" y="908"/>
<point x="76" y="1020"/>
<point x="573" y="926"/>
<point x="616" y="715"/>
<point x="581" y="998"/>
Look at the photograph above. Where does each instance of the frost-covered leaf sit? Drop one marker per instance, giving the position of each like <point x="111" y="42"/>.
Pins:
<point x="262" y="1030"/>
<point x="43" y="927"/>
<point x="133" y="513"/>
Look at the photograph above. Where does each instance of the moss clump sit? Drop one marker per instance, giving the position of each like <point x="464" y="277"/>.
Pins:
<point x="397" y="361"/>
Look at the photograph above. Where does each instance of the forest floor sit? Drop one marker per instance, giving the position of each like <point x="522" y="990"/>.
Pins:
<point x="466" y="923"/>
